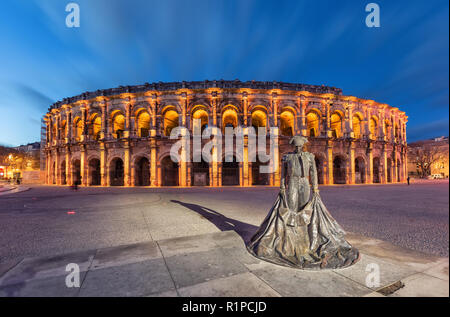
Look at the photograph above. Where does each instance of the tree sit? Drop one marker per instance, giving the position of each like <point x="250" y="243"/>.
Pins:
<point x="424" y="157"/>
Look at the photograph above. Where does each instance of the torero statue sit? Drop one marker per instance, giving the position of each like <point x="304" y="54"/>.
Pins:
<point x="299" y="231"/>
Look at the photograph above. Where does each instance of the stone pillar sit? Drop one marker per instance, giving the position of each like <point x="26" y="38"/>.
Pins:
<point x="68" y="164"/>
<point x="246" y="178"/>
<point x="153" y="163"/>
<point x="351" y="178"/>
<point x="126" y="164"/>
<point x="329" y="163"/>
<point x="82" y="165"/>
<point x="384" y="157"/>
<point x="369" y="168"/>
<point x="301" y="121"/>
<point x="126" y="133"/>
<point x="83" y="123"/>
<point x="103" y="168"/>
<point x="245" y="107"/>
<point x="104" y="108"/>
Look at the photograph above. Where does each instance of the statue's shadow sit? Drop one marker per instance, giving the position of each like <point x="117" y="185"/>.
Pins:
<point x="222" y="222"/>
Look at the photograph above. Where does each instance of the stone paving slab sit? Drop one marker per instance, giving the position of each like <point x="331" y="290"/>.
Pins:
<point x="218" y="264"/>
<point x="135" y="279"/>
<point x="51" y="266"/>
<point x="241" y="285"/>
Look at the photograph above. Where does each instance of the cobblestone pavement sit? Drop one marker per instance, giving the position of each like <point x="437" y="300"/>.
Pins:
<point x="48" y="220"/>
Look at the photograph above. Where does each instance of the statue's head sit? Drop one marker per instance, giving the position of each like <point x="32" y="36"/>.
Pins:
<point x="298" y="141"/>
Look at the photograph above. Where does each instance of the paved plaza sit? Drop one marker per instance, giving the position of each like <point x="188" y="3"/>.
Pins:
<point x="190" y="241"/>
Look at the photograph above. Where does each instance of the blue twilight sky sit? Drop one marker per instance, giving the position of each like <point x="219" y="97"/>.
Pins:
<point x="405" y="63"/>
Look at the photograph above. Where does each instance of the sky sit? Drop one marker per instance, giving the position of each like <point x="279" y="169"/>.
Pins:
<point x="404" y="62"/>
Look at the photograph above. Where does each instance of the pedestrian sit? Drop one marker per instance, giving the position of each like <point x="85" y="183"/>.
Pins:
<point x="407" y="179"/>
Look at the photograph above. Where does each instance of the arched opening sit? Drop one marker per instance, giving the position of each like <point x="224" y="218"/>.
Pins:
<point x="116" y="172"/>
<point x="143" y="124"/>
<point x="399" y="169"/>
<point x="360" y="168"/>
<point x="76" y="172"/>
<point x="287" y="123"/>
<point x="319" y="168"/>
<point x="95" y="126"/>
<point x="229" y="119"/>
<point x="63" y="173"/>
<point x="336" y="125"/>
<point x="142" y="172"/>
<point x="118" y="125"/>
<point x="201" y="120"/>
<point x="312" y="124"/>
<point x="200" y="173"/>
<point x="259" y="119"/>
<point x="389" y="171"/>
<point x="339" y="175"/>
<point x="230" y="173"/>
<point x="169" y="172"/>
<point x="396" y="132"/>
<point x="259" y="178"/>
<point x="94" y="172"/>
<point x="373" y="127"/>
<point x="376" y="170"/>
<point x="170" y="121"/>
<point x="356" y="126"/>
<point x="387" y="129"/>
<point x="78" y="128"/>
<point x="63" y="130"/>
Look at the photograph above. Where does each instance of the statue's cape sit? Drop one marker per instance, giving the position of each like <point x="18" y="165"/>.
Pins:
<point x="315" y="241"/>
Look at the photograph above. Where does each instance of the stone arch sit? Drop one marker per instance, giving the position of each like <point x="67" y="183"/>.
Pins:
<point x="141" y="106"/>
<point x="76" y="171"/>
<point x="260" y="103"/>
<point x="63" y="176"/>
<point x="259" y="178"/>
<point x="169" y="172"/>
<point x="373" y="127"/>
<point x="200" y="112"/>
<point x="357" y="123"/>
<point x="229" y="117"/>
<point x="336" y="124"/>
<point x="259" y="118"/>
<point x="117" y="123"/>
<point x="95" y="125"/>
<point x="287" y="121"/>
<point x="63" y="130"/>
<point x="94" y="171"/>
<point x="230" y="172"/>
<point x="165" y="106"/>
<point x="227" y="102"/>
<point x="116" y="172"/>
<point x="389" y="170"/>
<point x="360" y="170"/>
<point x="143" y="121"/>
<point x="199" y="103"/>
<point x="78" y="128"/>
<point x="376" y="170"/>
<point x="339" y="169"/>
<point x="170" y="119"/>
<point x="200" y="173"/>
<point x="313" y="123"/>
<point x="141" y="167"/>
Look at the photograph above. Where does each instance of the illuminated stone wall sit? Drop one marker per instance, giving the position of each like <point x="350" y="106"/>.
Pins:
<point x="120" y="136"/>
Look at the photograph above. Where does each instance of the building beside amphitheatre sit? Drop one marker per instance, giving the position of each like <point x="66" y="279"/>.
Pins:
<point x="120" y="136"/>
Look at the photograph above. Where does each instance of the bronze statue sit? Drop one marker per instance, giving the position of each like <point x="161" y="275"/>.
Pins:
<point x="299" y="231"/>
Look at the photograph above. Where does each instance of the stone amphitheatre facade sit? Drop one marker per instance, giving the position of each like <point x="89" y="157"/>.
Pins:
<point x="120" y="136"/>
